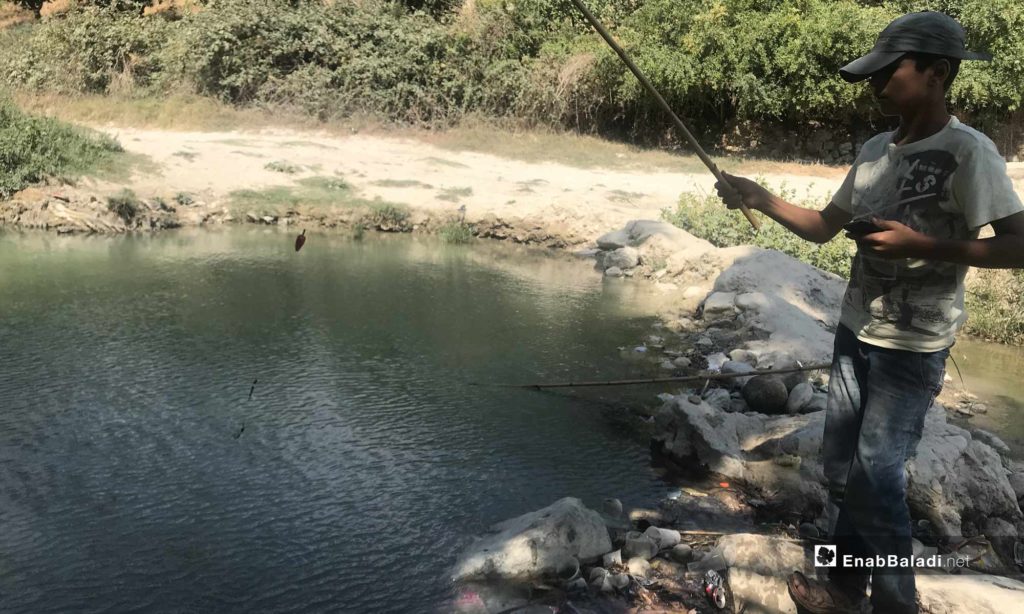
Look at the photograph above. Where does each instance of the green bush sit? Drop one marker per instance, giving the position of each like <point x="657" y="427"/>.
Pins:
<point x="456" y="233"/>
<point x="125" y="205"/>
<point x="993" y="305"/>
<point x="719" y="63"/>
<point x="706" y="217"/>
<point x="33" y="148"/>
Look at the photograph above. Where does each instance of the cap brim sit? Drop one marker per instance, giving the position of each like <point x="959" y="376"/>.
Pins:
<point x="976" y="55"/>
<point x="864" y="67"/>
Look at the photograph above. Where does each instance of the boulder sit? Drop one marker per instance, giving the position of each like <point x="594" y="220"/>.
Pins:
<point x="681" y="553"/>
<point x="748" y="301"/>
<point x="734" y="366"/>
<point x="613" y="240"/>
<point x="974" y="593"/>
<point x="745" y="447"/>
<point x="993" y="440"/>
<point x="759" y="565"/>
<point x="536" y="545"/>
<point x="954" y="476"/>
<point x="718" y="398"/>
<point x="1017" y="484"/>
<point x="623" y="258"/>
<point x="758" y="568"/>
<point x="719" y="305"/>
<point x="613" y="271"/>
<point x="741" y="355"/>
<point x="799" y="397"/>
<point x="639" y="545"/>
<point x="766" y="394"/>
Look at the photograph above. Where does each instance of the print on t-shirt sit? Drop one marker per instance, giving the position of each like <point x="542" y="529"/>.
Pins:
<point x="910" y="295"/>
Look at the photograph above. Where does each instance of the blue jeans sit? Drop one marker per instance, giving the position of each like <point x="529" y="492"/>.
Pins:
<point x="876" y="407"/>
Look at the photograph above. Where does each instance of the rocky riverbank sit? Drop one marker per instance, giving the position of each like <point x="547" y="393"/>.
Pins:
<point x="749" y="448"/>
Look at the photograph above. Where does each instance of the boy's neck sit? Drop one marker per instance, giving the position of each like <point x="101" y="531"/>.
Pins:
<point x="922" y="123"/>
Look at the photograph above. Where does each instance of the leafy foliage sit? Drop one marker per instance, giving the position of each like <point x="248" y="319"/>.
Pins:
<point x="33" y="148"/>
<point x="706" y="217"/>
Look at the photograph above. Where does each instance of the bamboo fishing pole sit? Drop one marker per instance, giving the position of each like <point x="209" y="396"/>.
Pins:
<point x="708" y="162"/>
<point x="661" y="380"/>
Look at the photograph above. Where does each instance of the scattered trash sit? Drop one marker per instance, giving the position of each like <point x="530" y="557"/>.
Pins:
<point x="300" y="240"/>
<point x="724" y="484"/>
<point x="714" y="588"/>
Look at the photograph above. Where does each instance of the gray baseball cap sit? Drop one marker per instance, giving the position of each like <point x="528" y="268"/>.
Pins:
<point x="927" y="32"/>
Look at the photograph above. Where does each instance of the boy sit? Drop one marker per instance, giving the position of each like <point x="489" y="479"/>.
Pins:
<point x="919" y="195"/>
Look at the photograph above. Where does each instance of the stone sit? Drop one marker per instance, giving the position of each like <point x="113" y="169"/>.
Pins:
<point x="623" y="258"/>
<point x="719" y="304"/>
<point x="682" y="362"/>
<point x="613" y="272"/>
<point x="758" y="568"/>
<point x="738" y="406"/>
<point x="681" y="553"/>
<point x="799" y="397"/>
<point x="741" y="446"/>
<point x="734" y="366"/>
<point x="597" y="572"/>
<point x="612" y="558"/>
<point x="268" y="219"/>
<point x="716" y="360"/>
<point x="639" y="545"/>
<point x="535" y="545"/>
<point x="752" y="301"/>
<point x="974" y="593"/>
<point x="718" y="397"/>
<point x="955" y="476"/>
<point x="613" y="240"/>
<point x="704" y="342"/>
<point x="818" y="402"/>
<point x="252" y="217"/>
<point x="741" y="355"/>
<point x="668" y="365"/>
<point x="664" y="538"/>
<point x="1017" y="484"/>
<point x="766" y="394"/>
<point x="991" y="439"/>
<point x="612" y="507"/>
<point x="638" y="567"/>
<point x="693" y="292"/>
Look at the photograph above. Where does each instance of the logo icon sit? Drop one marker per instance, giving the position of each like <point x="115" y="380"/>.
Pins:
<point x="824" y="556"/>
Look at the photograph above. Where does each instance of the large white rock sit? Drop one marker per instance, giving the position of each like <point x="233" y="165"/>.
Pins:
<point x="536" y="544"/>
<point x="954" y="476"/>
<point x="623" y="258"/>
<point x="719" y="304"/>
<point x="613" y="240"/>
<point x="798" y="305"/>
<point x="759" y="566"/>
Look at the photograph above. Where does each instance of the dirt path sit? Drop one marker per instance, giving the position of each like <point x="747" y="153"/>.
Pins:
<point x="588" y="202"/>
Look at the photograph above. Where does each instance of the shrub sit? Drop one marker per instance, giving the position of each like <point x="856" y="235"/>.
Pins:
<point x="456" y="232"/>
<point x="33" y="148"/>
<point x="993" y="305"/>
<point x="706" y="217"/>
<point x="124" y="205"/>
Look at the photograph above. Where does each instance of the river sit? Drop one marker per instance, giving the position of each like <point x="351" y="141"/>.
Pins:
<point x="137" y="474"/>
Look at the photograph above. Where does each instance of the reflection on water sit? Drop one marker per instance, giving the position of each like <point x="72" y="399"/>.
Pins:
<point x="367" y="461"/>
<point x="993" y="372"/>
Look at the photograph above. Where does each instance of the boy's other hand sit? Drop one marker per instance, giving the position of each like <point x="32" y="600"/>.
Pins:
<point x="894" y="240"/>
<point x="743" y="191"/>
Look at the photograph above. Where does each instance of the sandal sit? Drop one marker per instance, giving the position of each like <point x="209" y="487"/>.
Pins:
<point x="819" y="597"/>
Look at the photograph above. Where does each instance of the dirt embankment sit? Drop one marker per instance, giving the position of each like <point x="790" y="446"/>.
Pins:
<point x="535" y="202"/>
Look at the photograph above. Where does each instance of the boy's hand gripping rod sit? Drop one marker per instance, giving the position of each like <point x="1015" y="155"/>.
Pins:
<point x="708" y="162"/>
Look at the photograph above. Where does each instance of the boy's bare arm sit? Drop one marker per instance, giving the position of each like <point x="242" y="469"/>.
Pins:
<point x="809" y="224"/>
<point x="1003" y="251"/>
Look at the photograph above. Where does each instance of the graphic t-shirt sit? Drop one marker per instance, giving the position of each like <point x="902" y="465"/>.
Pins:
<point x="948" y="186"/>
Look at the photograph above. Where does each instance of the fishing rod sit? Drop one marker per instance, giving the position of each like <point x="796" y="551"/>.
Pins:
<point x="708" y="162"/>
<point x="660" y="380"/>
